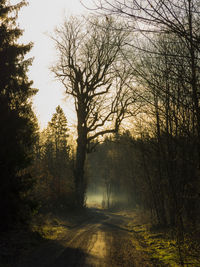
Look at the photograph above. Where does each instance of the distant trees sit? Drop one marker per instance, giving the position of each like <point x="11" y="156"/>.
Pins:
<point x="17" y="120"/>
<point x="53" y="166"/>
<point x="113" y="168"/>
<point x="90" y="65"/>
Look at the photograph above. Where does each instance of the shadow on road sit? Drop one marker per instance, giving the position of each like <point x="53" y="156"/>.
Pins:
<point x="70" y="257"/>
<point x="58" y="253"/>
<point x="53" y="254"/>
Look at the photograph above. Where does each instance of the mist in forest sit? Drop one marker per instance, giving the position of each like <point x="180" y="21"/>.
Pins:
<point x="110" y="174"/>
<point x="134" y="84"/>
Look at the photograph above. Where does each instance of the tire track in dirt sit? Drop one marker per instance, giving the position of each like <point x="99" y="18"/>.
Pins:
<point x="102" y="241"/>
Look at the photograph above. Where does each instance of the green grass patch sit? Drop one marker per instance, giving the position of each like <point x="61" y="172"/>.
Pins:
<point x="160" y="246"/>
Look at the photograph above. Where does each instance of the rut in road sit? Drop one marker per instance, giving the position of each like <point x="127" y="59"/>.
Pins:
<point x="103" y="241"/>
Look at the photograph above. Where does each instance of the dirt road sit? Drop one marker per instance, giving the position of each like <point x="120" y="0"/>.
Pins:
<point x="103" y="241"/>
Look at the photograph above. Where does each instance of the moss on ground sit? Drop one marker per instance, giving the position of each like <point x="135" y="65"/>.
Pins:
<point x="160" y="245"/>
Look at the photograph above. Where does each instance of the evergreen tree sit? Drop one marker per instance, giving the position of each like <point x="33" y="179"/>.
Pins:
<point x="17" y="120"/>
<point x="58" y="130"/>
<point x="57" y="150"/>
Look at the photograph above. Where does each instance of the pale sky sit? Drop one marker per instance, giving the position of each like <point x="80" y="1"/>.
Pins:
<point x="38" y="20"/>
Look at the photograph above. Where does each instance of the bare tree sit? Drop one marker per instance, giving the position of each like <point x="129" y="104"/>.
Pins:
<point x="178" y="17"/>
<point x="90" y="66"/>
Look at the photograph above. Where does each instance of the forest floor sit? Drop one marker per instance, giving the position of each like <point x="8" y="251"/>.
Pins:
<point x="95" y="237"/>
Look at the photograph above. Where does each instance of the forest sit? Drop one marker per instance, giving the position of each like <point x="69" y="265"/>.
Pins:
<point x="132" y="70"/>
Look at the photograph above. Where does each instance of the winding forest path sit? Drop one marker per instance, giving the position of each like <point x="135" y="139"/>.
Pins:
<point x="102" y="241"/>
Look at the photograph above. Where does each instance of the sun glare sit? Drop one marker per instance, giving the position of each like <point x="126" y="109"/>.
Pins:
<point x="38" y="20"/>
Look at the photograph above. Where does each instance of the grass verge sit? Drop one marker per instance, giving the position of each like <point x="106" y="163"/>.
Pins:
<point x="162" y="245"/>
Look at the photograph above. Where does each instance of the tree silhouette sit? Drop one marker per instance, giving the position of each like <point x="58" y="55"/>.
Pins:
<point x="17" y="121"/>
<point x="88" y="66"/>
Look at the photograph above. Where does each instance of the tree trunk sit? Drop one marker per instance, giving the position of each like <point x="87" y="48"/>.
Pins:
<point x="160" y="188"/>
<point x="80" y="183"/>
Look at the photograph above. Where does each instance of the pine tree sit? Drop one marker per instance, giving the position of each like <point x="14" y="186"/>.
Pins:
<point x="58" y="130"/>
<point x="58" y="150"/>
<point x="17" y="120"/>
